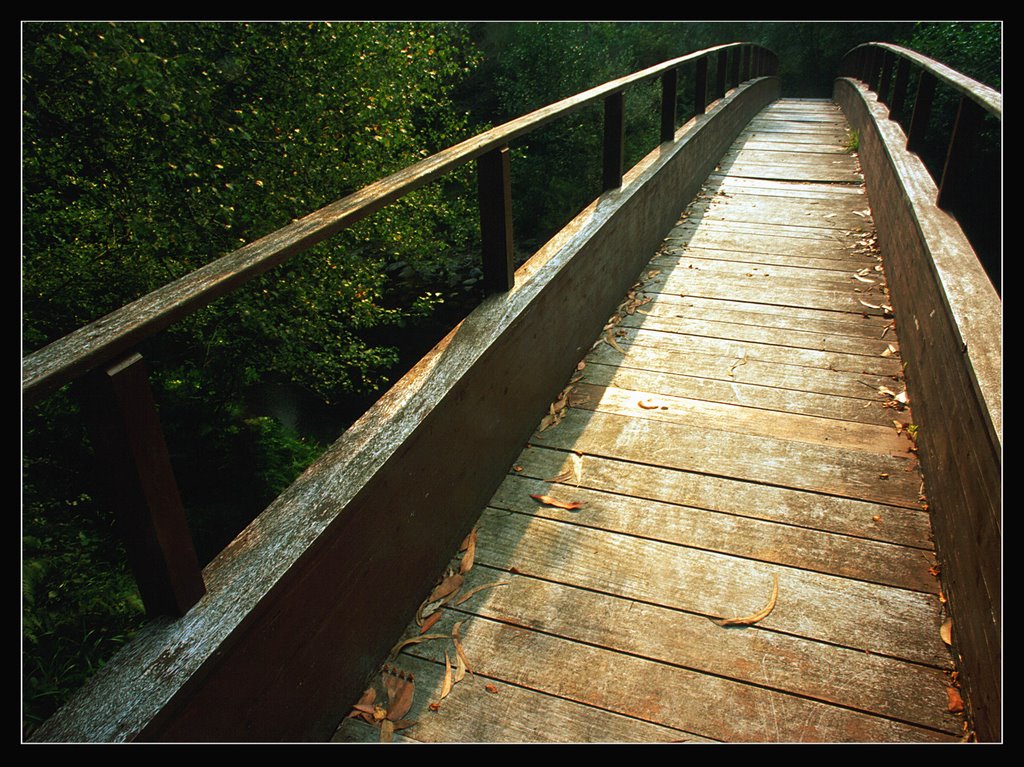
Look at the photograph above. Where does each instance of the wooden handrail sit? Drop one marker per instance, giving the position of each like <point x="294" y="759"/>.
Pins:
<point x="151" y="504"/>
<point x="115" y="334"/>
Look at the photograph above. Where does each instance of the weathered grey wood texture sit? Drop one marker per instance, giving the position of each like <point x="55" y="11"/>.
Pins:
<point x="950" y="323"/>
<point x="700" y="444"/>
<point x="302" y="606"/>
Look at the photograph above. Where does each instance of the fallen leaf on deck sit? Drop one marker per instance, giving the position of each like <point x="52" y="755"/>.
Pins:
<point x="430" y="620"/>
<point x="490" y="688"/>
<point x="387" y="731"/>
<point x="864" y="279"/>
<point x="577" y="467"/>
<point x="457" y="641"/>
<point x="445" y="588"/>
<point x="649" y="404"/>
<point x="472" y="592"/>
<point x="413" y="640"/>
<point x="400" y="690"/>
<point x="741" y="361"/>
<point x="955" y="702"/>
<point x="870" y="306"/>
<point x="517" y="468"/>
<point x="469" y="545"/>
<point x="613" y="343"/>
<point x="446" y="683"/>
<point x="750" y="620"/>
<point x="547" y="500"/>
<point x="946" y="632"/>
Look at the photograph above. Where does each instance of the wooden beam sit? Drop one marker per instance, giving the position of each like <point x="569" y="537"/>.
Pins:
<point x="495" y="189"/>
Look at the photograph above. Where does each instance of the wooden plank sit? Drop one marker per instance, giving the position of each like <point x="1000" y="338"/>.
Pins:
<point x="726" y="368"/>
<point x="838" y="675"/>
<point x="717" y="182"/>
<point x="762" y="540"/>
<point x="747" y="395"/>
<point x="872" y="477"/>
<point x="795" y="427"/>
<point x="848" y="264"/>
<point x="742" y="353"/>
<point x="864" y="616"/>
<point x="828" y="513"/>
<point x="511" y="714"/>
<point x="649" y="691"/>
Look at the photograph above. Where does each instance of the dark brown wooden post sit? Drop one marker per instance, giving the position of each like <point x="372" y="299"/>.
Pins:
<point x="700" y="88"/>
<point x="744" y="63"/>
<point x="614" y="139"/>
<point x="956" y="176"/>
<point x="494" y="183"/>
<point x="899" y="89"/>
<point x="135" y="468"/>
<point x="922" y="111"/>
<point x="886" y="79"/>
<point x="734" y="66"/>
<point x="669" y="82"/>
<point x="721" y="73"/>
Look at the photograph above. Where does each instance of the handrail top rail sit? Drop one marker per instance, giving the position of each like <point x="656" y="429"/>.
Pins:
<point x="988" y="98"/>
<point x="102" y="340"/>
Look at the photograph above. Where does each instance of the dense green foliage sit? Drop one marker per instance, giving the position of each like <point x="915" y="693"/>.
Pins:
<point x="151" y="148"/>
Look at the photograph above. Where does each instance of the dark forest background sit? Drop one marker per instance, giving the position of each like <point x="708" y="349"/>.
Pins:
<point x="148" y="149"/>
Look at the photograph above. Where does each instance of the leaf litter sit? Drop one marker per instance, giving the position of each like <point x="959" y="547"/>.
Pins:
<point x="760" y="615"/>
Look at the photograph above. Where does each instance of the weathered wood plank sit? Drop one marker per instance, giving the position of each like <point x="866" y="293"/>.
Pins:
<point x="795" y="427"/>
<point x="748" y="395"/>
<point x="845" y="677"/>
<point x="828" y="513"/>
<point x="649" y="691"/>
<point x="511" y="714"/>
<point x="850" y="613"/>
<point x="871" y="477"/>
<point x="847" y="556"/>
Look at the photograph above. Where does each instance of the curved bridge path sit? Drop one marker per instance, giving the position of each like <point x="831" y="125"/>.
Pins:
<point x="737" y="440"/>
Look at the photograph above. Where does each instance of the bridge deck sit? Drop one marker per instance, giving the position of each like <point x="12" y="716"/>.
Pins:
<point x="733" y="429"/>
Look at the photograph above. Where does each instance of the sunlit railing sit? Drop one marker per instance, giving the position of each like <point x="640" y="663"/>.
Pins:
<point x="102" y="361"/>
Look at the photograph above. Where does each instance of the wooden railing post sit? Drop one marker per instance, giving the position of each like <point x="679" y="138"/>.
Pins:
<point x="614" y="139"/>
<point x="734" y="67"/>
<point x="956" y="175"/>
<point x="700" y="88"/>
<point x="721" y="73"/>
<point x="744" y="63"/>
<point x="886" y="79"/>
<point x="494" y="183"/>
<point x="669" y="82"/>
<point x="899" y="89"/>
<point x="134" y="466"/>
<point x="922" y="111"/>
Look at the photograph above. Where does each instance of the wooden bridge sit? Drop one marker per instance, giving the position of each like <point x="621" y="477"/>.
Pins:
<point x="720" y="462"/>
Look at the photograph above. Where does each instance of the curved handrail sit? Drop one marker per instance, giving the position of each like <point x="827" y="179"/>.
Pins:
<point x="988" y="98"/>
<point x="125" y="425"/>
<point x="84" y="349"/>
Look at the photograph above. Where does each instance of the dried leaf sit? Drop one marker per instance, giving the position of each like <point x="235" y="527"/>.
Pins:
<point x="445" y="588"/>
<point x="387" y="730"/>
<point x="547" y="500"/>
<point x="946" y="632"/>
<point x="457" y="641"/>
<point x="400" y="690"/>
<point x="517" y="467"/>
<point x="750" y="620"/>
<point x="863" y="279"/>
<point x="649" y="404"/>
<point x="474" y="591"/>
<point x="577" y="468"/>
<point x="491" y="688"/>
<point x="413" y="640"/>
<point x="869" y="306"/>
<point x="470" y="548"/>
<point x="955" y="702"/>
<point x="613" y="343"/>
<point x="460" y="668"/>
<point x="429" y="621"/>
<point x="446" y="684"/>
<point x="364" y="707"/>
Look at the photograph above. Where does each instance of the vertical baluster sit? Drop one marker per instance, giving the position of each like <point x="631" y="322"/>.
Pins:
<point x="922" y="111"/>
<point x="722" y="73"/>
<point x="494" y="184"/>
<point x="134" y="468"/>
<point x="669" y="82"/>
<point x="614" y="139"/>
<point x="734" y="66"/>
<point x="957" y="173"/>
<point x="886" y="79"/>
<point x="744" y="63"/>
<point x="899" y="89"/>
<point x="700" y="88"/>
